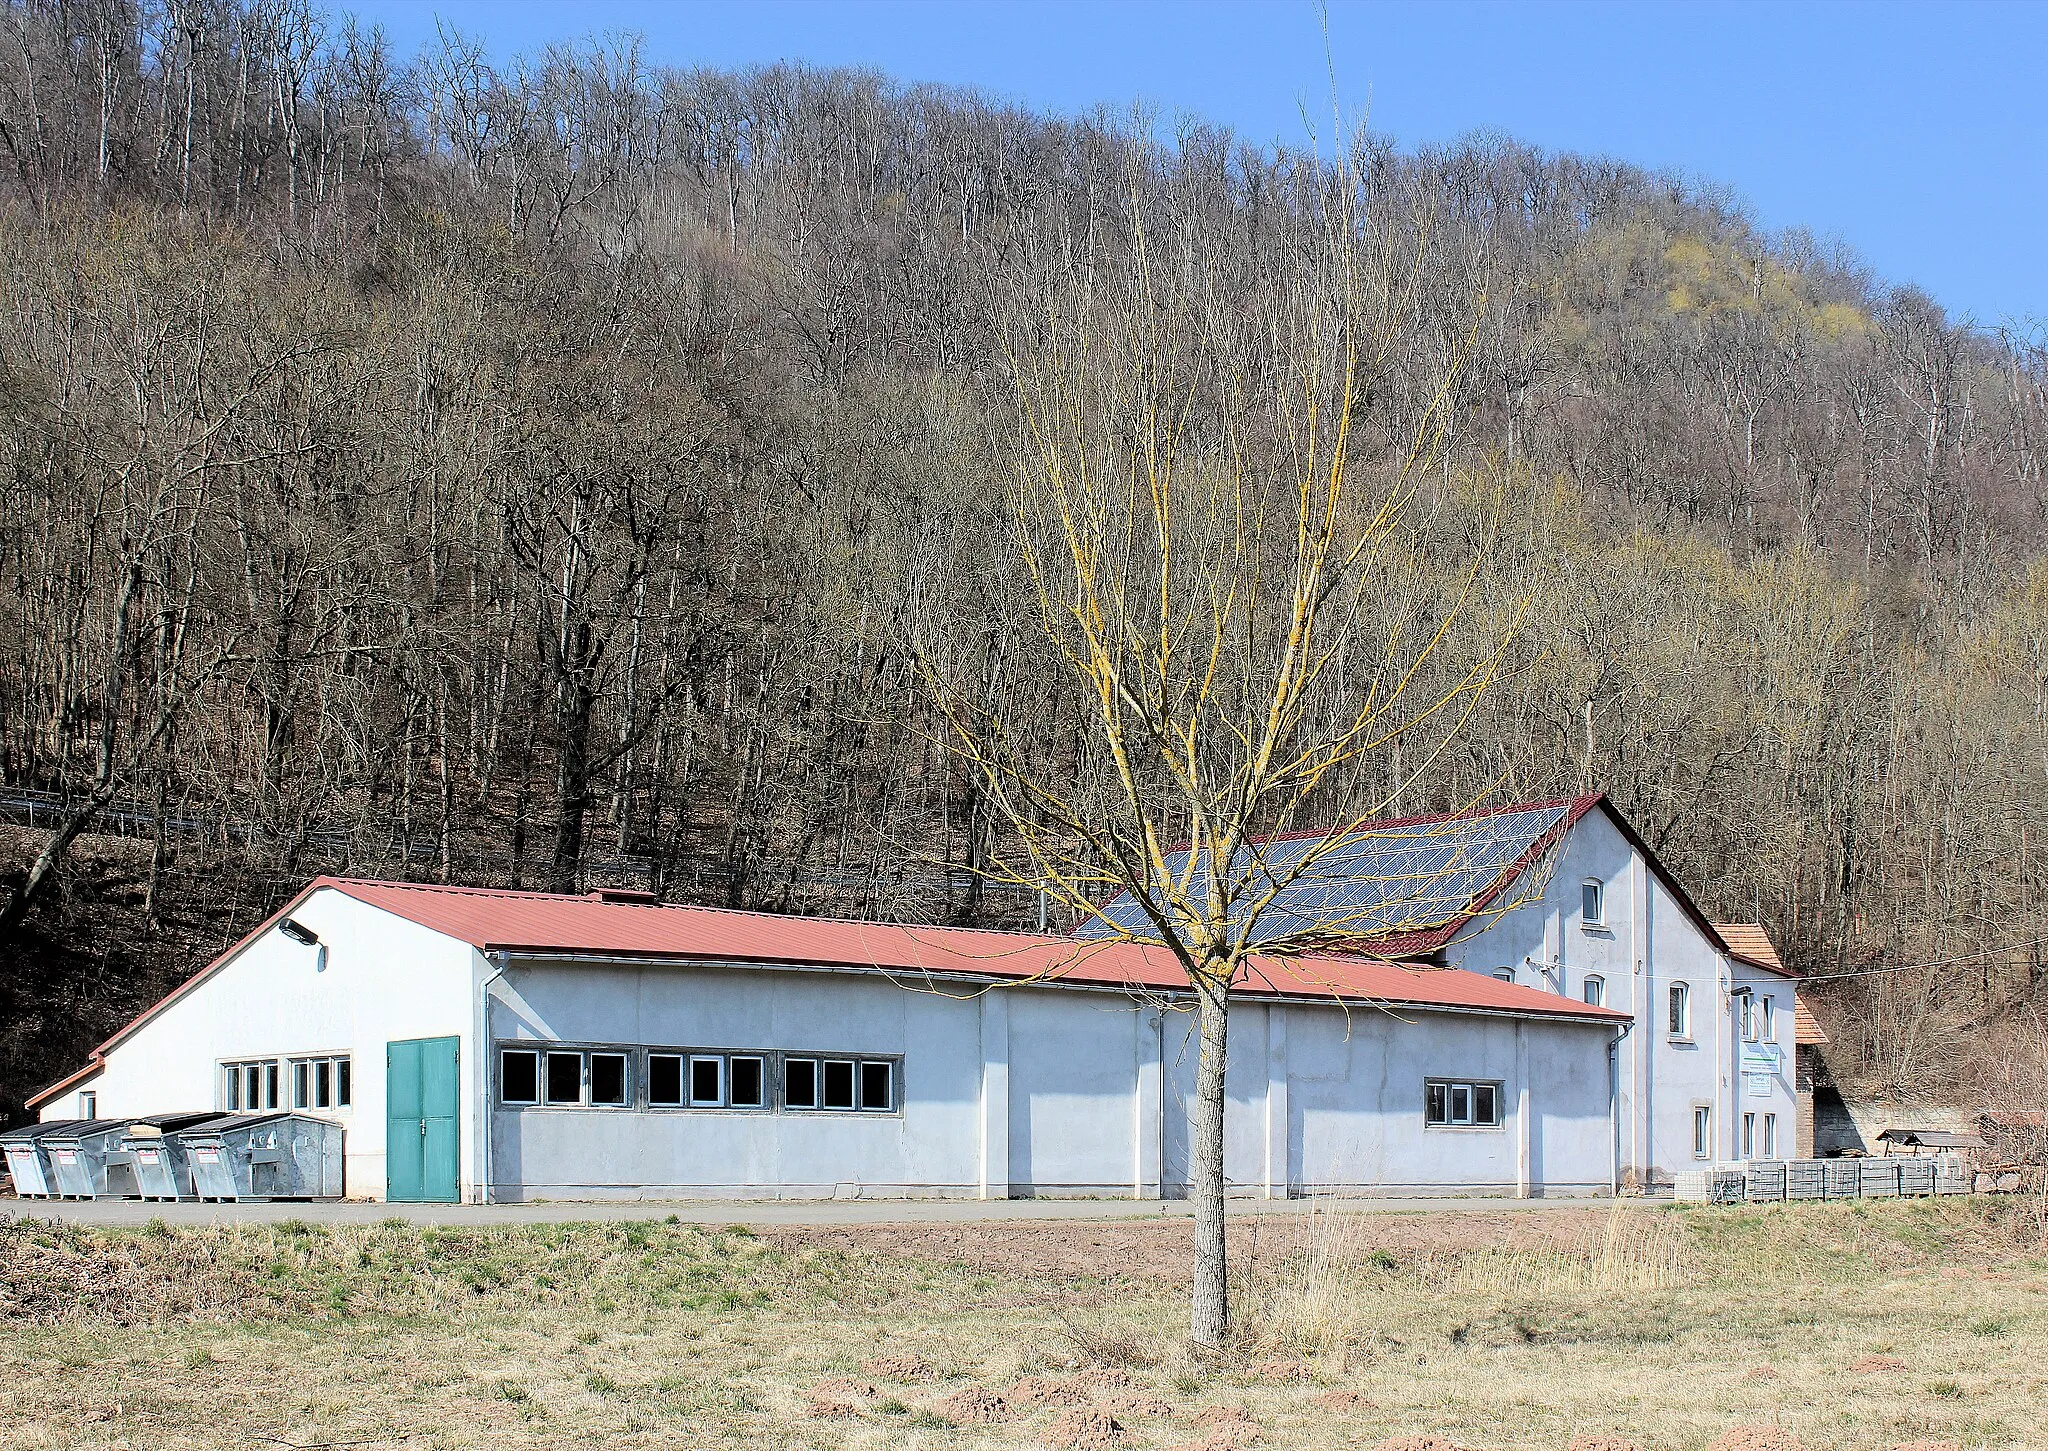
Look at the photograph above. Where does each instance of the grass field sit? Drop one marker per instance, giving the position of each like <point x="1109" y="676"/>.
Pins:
<point x="1857" y="1325"/>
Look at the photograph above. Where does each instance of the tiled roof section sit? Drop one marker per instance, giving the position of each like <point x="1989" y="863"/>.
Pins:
<point x="1404" y="886"/>
<point x="543" y="923"/>
<point x="1806" y="1029"/>
<point x="1752" y="944"/>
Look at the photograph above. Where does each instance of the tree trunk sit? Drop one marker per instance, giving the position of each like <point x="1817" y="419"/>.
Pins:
<point x="572" y="785"/>
<point x="1211" y="1319"/>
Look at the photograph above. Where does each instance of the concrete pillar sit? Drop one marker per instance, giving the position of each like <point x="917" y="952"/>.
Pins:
<point x="995" y="1094"/>
<point x="1149" y="1127"/>
<point x="1525" y="1131"/>
<point x="1277" y="1176"/>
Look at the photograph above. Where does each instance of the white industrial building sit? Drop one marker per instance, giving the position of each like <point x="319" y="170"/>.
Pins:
<point x="499" y="1045"/>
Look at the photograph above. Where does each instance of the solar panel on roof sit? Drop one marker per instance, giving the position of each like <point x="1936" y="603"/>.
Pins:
<point x="1377" y="881"/>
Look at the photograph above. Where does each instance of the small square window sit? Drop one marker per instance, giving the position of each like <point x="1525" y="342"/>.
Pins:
<point x="1503" y="974"/>
<point x="749" y="1083"/>
<point x="877" y="1087"/>
<point x="665" y="1080"/>
<point x="707" y="1082"/>
<point x="519" y="1076"/>
<point x="565" y="1078"/>
<point x="799" y="1083"/>
<point x="608" y="1079"/>
<point x="838" y="1083"/>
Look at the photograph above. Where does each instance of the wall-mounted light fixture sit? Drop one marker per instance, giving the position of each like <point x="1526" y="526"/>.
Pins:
<point x="299" y="933"/>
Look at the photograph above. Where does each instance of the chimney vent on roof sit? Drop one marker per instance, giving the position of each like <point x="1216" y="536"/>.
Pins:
<point x="633" y="895"/>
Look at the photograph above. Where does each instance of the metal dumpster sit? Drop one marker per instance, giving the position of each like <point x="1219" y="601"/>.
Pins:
<point x="147" y="1163"/>
<point x="79" y="1156"/>
<point x="28" y="1156"/>
<point x="263" y="1156"/>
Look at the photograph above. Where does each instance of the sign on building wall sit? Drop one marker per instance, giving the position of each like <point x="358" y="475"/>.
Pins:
<point x="1760" y="1063"/>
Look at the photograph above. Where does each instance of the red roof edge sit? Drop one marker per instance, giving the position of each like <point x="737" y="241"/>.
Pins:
<point x="99" y="1054"/>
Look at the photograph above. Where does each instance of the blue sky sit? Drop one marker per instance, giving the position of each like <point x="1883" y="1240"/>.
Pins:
<point x="1916" y="134"/>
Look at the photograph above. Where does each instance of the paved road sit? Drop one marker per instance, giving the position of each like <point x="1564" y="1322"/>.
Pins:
<point x="802" y="1212"/>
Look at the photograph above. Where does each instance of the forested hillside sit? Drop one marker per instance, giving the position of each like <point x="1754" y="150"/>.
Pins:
<point x="421" y="467"/>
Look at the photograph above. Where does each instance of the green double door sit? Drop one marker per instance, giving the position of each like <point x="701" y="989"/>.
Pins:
<point x="422" y="1137"/>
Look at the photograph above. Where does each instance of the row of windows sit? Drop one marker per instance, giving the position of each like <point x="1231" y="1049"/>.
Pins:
<point x="1451" y="1103"/>
<point x="551" y="1077"/>
<point x="258" y="1084"/>
<point x="1759" y="1134"/>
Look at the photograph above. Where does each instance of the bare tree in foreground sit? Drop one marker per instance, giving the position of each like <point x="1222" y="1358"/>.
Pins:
<point x="1219" y="533"/>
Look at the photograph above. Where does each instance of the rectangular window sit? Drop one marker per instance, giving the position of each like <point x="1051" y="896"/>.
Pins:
<point x="799" y="1083"/>
<point x="608" y="1079"/>
<point x="1770" y="1136"/>
<point x="1681" y="1010"/>
<point x="565" y="1078"/>
<point x="1702" y="1132"/>
<point x="1448" y="1103"/>
<point x="877" y="1087"/>
<point x="1596" y="990"/>
<point x="88" y="1105"/>
<point x="1766" y="1024"/>
<point x="519" y="1076"/>
<point x="320" y="1082"/>
<point x="838" y="1083"/>
<point x="252" y="1087"/>
<point x="1592" y="905"/>
<point x="665" y="1080"/>
<point x="749" y="1082"/>
<point x="1749" y="1019"/>
<point x="707" y="1082"/>
<point x="1749" y="1136"/>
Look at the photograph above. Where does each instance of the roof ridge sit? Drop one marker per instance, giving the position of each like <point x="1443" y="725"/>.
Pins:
<point x="589" y="900"/>
<point x="1434" y="818"/>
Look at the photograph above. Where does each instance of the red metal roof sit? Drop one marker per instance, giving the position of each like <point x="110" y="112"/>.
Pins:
<point x="494" y="920"/>
<point x="540" y="922"/>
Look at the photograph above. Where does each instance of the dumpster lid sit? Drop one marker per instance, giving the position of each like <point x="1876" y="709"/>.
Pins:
<point x="168" y="1122"/>
<point x="227" y="1123"/>
<point x="53" y="1128"/>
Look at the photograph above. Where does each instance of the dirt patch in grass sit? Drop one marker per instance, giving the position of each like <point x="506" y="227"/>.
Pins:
<point x="1086" y="1428"/>
<point x="972" y="1406"/>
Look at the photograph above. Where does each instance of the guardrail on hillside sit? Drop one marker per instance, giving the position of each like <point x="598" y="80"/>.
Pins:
<point x="1769" y="1181"/>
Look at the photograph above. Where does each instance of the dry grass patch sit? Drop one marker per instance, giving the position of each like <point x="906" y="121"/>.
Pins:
<point x="1637" y="1329"/>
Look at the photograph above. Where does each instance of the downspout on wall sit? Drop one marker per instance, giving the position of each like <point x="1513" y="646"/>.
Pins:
<point x="480" y="1192"/>
<point x="1614" y="1106"/>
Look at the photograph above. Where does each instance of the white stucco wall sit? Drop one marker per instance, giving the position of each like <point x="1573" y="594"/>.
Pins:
<point x="1040" y="1091"/>
<point x="380" y="979"/>
<point x="1646" y="943"/>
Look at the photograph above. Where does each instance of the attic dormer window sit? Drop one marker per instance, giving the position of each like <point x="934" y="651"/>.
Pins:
<point x="1592" y="903"/>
